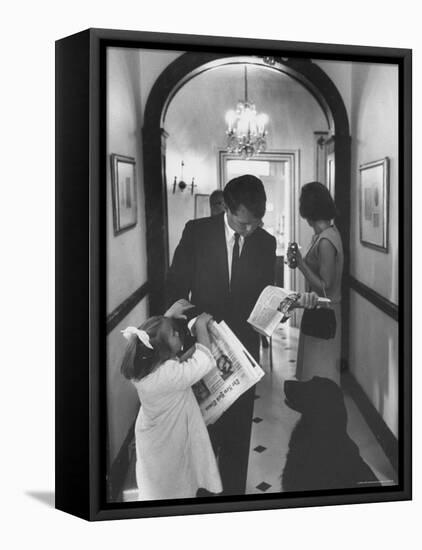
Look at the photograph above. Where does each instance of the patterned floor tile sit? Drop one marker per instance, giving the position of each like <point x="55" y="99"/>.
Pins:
<point x="263" y="486"/>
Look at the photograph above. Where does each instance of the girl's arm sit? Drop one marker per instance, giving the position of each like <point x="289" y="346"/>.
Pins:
<point x="177" y="376"/>
<point x="323" y="281"/>
<point x="201" y="329"/>
<point x="178" y="309"/>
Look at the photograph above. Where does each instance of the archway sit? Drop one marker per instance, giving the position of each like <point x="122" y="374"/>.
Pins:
<point x="186" y="67"/>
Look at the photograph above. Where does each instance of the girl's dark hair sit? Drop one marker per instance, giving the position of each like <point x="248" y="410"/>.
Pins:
<point x="316" y="203"/>
<point x="139" y="360"/>
<point x="247" y="190"/>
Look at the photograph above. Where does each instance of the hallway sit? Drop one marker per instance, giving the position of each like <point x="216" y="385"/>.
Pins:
<point x="273" y="422"/>
<point x="318" y="130"/>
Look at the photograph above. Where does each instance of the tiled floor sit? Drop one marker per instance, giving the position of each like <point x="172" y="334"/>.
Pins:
<point x="274" y="421"/>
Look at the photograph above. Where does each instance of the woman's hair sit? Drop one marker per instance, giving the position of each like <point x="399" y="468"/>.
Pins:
<point x="316" y="203"/>
<point x="139" y="360"/>
<point x="247" y="190"/>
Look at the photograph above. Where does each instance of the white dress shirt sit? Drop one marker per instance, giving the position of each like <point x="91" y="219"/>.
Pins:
<point x="230" y="240"/>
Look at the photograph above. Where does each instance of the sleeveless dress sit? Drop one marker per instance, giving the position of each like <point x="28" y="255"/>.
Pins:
<point x="316" y="356"/>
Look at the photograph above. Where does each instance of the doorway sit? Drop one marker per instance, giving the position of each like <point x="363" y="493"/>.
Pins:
<point x="279" y="172"/>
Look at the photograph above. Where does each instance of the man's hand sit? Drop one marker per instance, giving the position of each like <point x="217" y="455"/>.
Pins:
<point x="203" y="322"/>
<point x="177" y="310"/>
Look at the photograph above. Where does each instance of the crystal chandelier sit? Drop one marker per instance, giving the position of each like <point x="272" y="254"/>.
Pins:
<point x="245" y="128"/>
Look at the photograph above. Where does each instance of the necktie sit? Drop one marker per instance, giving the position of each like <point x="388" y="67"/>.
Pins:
<point x="235" y="259"/>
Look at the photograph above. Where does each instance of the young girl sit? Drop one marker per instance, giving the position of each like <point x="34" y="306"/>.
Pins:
<point x="173" y="449"/>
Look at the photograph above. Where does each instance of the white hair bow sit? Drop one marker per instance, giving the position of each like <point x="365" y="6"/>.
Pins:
<point x="141" y="334"/>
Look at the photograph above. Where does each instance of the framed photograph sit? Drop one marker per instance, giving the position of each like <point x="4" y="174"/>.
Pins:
<point x="123" y="179"/>
<point x="202" y="206"/>
<point x="150" y="421"/>
<point x="374" y="204"/>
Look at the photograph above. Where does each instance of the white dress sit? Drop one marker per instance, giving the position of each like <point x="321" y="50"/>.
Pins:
<point x="174" y="456"/>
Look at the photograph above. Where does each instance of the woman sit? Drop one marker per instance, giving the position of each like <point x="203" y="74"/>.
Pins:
<point x="322" y="268"/>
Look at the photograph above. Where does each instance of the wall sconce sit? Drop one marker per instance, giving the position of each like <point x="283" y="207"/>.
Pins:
<point x="269" y="60"/>
<point x="182" y="184"/>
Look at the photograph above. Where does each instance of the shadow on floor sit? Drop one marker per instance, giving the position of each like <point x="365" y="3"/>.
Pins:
<point x="45" y="497"/>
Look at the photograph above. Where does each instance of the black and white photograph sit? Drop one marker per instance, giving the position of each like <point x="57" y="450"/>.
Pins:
<point x="254" y="173"/>
<point x="209" y="323"/>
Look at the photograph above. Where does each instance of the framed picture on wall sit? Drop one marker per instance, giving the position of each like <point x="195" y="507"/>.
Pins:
<point x="202" y="206"/>
<point x="123" y="179"/>
<point x="126" y="412"/>
<point x="373" y="203"/>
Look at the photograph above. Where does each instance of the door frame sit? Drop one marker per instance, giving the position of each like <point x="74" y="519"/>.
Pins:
<point x="292" y="156"/>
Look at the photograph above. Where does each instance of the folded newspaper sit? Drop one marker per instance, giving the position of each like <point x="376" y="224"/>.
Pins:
<point x="273" y="307"/>
<point x="236" y="371"/>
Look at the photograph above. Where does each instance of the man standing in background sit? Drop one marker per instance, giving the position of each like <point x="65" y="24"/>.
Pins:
<point x="217" y="202"/>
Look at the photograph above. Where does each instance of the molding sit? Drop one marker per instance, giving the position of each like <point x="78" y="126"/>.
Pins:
<point x="379" y="428"/>
<point x="389" y="308"/>
<point x="122" y="310"/>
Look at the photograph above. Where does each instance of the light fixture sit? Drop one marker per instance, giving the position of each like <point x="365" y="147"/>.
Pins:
<point x="245" y="128"/>
<point x="269" y="60"/>
<point x="182" y="184"/>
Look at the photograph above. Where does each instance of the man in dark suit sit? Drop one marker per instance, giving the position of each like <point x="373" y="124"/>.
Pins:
<point x="217" y="202"/>
<point x="221" y="265"/>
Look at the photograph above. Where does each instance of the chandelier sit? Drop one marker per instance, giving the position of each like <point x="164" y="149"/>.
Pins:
<point x="245" y="128"/>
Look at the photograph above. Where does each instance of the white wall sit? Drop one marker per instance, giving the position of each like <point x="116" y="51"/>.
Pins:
<point x="196" y="126"/>
<point x="126" y="252"/>
<point x="131" y="74"/>
<point x="374" y="128"/>
<point x="153" y="63"/>
<point x="371" y="97"/>
<point x="122" y="400"/>
<point x="374" y="357"/>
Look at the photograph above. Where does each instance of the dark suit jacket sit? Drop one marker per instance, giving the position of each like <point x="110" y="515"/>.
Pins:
<point x="199" y="273"/>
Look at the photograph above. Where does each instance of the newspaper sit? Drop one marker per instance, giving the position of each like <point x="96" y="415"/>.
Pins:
<point x="273" y="307"/>
<point x="235" y="373"/>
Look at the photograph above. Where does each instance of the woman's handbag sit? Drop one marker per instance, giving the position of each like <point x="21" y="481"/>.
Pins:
<point x="319" y="323"/>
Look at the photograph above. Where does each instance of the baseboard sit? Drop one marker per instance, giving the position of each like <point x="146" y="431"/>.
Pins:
<point x="379" y="428"/>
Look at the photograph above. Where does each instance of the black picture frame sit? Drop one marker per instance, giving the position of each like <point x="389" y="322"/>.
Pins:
<point x="81" y="320"/>
<point x="125" y="208"/>
<point x="368" y="218"/>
